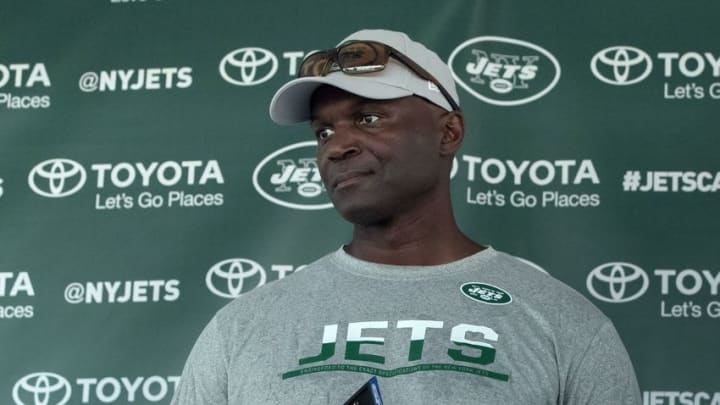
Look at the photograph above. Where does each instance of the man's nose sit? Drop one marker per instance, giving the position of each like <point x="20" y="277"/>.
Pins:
<point x="344" y="143"/>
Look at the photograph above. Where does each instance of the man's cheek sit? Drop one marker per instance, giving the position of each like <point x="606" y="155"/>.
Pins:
<point x="322" y="170"/>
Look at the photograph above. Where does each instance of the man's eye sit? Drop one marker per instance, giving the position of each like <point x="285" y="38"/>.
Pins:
<point x="369" y="119"/>
<point x="324" y="133"/>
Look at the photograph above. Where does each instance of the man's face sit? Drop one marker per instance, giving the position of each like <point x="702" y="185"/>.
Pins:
<point x="377" y="158"/>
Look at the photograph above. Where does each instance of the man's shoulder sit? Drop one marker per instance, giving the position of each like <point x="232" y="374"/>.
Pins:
<point x="541" y="291"/>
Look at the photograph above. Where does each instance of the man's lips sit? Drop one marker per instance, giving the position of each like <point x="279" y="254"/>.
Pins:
<point x="348" y="177"/>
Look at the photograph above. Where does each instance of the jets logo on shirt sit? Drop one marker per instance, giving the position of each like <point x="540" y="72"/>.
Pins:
<point x="471" y="349"/>
<point x="486" y="293"/>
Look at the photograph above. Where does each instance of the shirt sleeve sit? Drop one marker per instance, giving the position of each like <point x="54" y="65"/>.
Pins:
<point x="603" y="374"/>
<point x="204" y="377"/>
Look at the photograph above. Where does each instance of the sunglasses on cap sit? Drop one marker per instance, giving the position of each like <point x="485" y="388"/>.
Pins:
<point x="360" y="57"/>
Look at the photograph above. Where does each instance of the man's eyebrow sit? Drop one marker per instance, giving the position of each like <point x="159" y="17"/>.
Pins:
<point x="362" y="103"/>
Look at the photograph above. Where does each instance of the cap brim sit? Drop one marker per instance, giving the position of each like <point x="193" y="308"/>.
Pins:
<point x="291" y="103"/>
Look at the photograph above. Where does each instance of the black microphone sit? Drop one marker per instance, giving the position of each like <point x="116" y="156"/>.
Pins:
<point x="368" y="394"/>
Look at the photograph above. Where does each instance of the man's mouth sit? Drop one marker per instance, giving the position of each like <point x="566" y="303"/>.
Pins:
<point x="347" y="178"/>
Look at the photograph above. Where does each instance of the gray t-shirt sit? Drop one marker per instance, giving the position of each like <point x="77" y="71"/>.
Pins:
<point x="486" y="329"/>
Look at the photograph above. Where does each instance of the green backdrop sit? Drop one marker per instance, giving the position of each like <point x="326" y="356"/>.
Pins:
<point x="143" y="185"/>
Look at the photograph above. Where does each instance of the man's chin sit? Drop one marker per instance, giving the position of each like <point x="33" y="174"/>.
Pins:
<point x="361" y="213"/>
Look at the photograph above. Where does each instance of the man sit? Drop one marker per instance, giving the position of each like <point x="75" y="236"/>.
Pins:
<point x="438" y="318"/>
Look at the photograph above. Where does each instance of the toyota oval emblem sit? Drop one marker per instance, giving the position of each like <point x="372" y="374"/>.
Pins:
<point x="233" y="277"/>
<point x="248" y="66"/>
<point x="617" y="282"/>
<point x="56" y="178"/>
<point x="621" y="65"/>
<point x="42" y="388"/>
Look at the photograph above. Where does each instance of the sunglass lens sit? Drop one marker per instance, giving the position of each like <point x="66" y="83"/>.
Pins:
<point x="356" y="54"/>
<point x="314" y="64"/>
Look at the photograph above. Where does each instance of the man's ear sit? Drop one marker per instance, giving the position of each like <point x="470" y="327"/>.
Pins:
<point x="453" y="133"/>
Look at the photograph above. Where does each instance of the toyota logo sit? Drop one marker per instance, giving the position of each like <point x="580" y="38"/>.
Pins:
<point x="248" y="66"/>
<point x="42" y="388"/>
<point x="234" y="277"/>
<point x="621" y="65"/>
<point x="56" y="178"/>
<point x="617" y="282"/>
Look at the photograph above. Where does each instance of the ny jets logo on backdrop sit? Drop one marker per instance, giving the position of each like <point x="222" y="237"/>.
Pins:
<point x="504" y="71"/>
<point x="289" y="177"/>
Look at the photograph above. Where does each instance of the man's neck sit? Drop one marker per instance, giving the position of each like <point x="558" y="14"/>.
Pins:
<point x="429" y="238"/>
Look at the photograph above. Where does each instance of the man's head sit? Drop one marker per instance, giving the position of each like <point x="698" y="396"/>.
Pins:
<point x="380" y="65"/>
<point x="386" y="139"/>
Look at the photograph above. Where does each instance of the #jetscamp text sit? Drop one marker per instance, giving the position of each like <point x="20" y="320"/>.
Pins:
<point x="680" y="398"/>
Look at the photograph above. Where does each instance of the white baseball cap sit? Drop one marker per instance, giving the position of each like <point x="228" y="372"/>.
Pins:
<point x="291" y="103"/>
